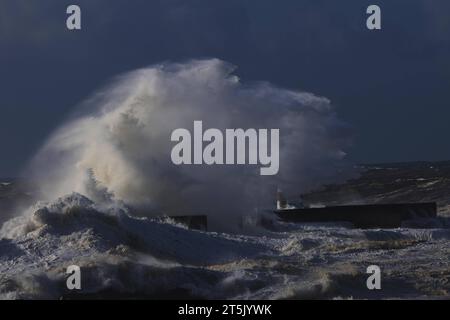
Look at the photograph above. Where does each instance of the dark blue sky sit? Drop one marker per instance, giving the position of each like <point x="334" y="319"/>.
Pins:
<point x="391" y="85"/>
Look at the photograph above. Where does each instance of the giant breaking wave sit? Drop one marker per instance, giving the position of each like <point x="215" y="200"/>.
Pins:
<point x="118" y="146"/>
<point x="112" y="161"/>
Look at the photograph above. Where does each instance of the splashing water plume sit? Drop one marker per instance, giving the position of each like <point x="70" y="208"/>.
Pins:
<point x="118" y="148"/>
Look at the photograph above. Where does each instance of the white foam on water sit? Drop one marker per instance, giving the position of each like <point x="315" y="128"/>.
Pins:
<point x="126" y="256"/>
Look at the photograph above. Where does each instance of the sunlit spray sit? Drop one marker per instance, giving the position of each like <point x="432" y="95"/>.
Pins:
<point x="119" y="146"/>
